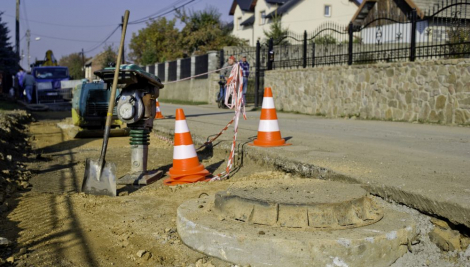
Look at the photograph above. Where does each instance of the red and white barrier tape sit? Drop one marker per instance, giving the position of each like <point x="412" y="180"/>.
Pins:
<point x="234" y="89"/>
<point x="201" y="74"/>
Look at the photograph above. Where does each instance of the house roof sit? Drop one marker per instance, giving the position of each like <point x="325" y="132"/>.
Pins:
<point x="406" y="6"/>
<point x="248" y="21"/>
<point x="284" y="8"/>
<point x="245" y="5"/>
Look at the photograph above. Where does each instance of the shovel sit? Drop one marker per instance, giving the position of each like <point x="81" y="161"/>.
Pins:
<point x="100" y="176"/>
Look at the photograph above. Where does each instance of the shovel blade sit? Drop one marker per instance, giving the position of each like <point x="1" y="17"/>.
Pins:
<point x="98" y="182"/>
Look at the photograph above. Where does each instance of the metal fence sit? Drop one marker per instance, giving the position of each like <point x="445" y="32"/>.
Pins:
<point x="185" y="68"/>
<point x="172" y="70"/>
<point x="202" y="66"/>
<point x="161" y="71"/>
<point x="443" y="31"/>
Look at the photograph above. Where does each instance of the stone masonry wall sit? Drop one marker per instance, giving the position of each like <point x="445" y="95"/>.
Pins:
<point x="426" y="91"/>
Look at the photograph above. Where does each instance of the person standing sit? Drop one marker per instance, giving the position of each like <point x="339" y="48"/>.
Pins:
<point x="29" y="82"/>
<point x="224" y="75"/>
<point x="19" y="87"/>
<point x="246" y="72"/>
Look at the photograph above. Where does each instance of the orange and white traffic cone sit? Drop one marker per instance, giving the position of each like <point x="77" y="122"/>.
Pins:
<point x="186" y="167"/>
<point x="158" y="113"/>
<point x="269" y="134"/>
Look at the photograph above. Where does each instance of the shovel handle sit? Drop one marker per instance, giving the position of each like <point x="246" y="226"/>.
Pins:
<point x="112" y="98"/>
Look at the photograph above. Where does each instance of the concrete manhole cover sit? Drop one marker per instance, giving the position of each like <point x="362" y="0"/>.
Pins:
<point x="294" y="203"/>
<point x="298" y="222"/>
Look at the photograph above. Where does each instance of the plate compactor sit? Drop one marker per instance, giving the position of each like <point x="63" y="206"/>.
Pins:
<point x="89" y="107"/>
<point x="136" y="107"/>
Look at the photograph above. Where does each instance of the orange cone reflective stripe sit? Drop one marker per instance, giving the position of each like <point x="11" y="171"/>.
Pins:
<point x="186" y="167"/>
<point x="269" y="134"/>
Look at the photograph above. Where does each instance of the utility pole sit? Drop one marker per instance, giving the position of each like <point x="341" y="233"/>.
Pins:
<point x="18" y="28"/>
<point x="123" y="48"/>
<point x="28" y="39"/>
<point x="83" y="63"/>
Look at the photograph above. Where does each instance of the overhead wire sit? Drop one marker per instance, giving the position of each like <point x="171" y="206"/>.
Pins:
<point x="103" y="42"/>
<point x="157" y="13"/>
<point x="162" y="12"/>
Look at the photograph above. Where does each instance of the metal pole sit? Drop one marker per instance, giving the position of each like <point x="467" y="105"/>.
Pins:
<point x="83" y="63"/>
<point x="350" y="44"/>
<point x="313" y="54"/>
<point x="413" y="35"/>
<point x="270" y="54"/>
<point x="258" y="72"/>
<point x="28" y="40"/>
<point x="305" y="50"/>
<point x="18" y="28"/>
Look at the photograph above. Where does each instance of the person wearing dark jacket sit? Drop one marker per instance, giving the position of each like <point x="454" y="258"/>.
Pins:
<point x="29" y="82"/>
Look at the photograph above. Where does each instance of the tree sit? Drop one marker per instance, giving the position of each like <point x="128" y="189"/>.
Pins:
<point x="155" y="43"/>
<point x="8" y="58"/>
<point x="204" y="31"/>
<point x="75" y="64"/>
<point x="276" y="32"/>
<point x="107" y="57"/>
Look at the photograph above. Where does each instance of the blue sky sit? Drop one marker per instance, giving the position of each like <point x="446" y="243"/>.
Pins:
<point x="85" y="23"/>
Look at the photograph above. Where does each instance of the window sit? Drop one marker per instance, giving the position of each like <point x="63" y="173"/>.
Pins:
<point x="327" y="11"/>
<point x="239" y="26"/>
<point x="262" y="17"/>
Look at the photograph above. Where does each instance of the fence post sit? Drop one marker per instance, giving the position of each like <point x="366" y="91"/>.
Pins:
<point x="270" y="54"/>
<point x="350" y="43"/>
<point x="258" y="72"/>
<point x="413" y="35"/>
<point x="313" y="54"/>
<point x="305" y="49"/>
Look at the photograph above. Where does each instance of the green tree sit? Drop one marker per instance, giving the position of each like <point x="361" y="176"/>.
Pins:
<point x="277" y="32"/>
<point x="204" y="31"/>
<point x="8" y="58"/>
<point x="107" y="57"/>
<point x="155" y="43"/>
<point x="75" y="64"/>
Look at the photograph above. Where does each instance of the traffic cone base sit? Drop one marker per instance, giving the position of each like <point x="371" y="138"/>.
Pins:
<point x="269" y="139"/>
<point x="269" y="134"/>
<point x="158" y="113"/>
<point x="186" y="167"/>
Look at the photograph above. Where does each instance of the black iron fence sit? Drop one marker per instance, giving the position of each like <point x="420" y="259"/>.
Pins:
<point x="161" y="71"/>
<point x="185" y="68"/>
<point x="172" y="70"/>
<point x="443" y="31"/>
<point x="202" y="66"/>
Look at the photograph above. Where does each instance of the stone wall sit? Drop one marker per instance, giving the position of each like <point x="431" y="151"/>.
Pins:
<point x="194" y="90"/>
<point x="428" y="91"/>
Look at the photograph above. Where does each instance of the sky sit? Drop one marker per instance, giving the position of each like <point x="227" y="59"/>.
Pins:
<point x="68" y="26"/>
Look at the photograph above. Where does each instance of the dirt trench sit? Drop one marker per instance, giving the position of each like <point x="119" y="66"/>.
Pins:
<point x="52" y="224"/>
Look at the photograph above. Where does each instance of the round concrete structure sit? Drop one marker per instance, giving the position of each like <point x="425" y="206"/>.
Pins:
<point x="297" y="204"/>
<point x="227" y="226"/>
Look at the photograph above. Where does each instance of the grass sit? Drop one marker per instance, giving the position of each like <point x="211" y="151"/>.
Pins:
<point x="9" y="105"/>
<point x="182" y="102"/>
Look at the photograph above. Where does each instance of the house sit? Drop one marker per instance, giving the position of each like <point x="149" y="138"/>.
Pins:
<point x="253" y="17"/>
<point x="436" y="19"/>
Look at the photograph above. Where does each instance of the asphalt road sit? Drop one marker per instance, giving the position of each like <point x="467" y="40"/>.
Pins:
<point x="423" y="166"/>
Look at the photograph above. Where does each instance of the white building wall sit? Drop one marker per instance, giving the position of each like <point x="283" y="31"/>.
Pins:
<point x="306" y="15"/>
<point x="309" y="14"/>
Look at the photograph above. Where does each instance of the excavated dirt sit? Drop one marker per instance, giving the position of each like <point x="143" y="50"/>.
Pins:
<point x="54" y="225"/>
